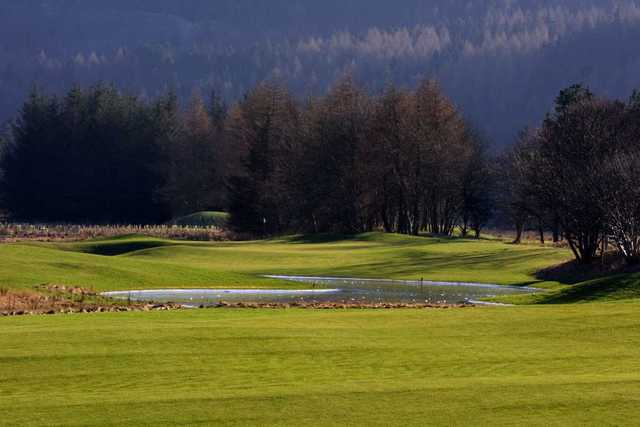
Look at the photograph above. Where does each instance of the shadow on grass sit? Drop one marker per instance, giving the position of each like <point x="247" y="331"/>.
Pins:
<point x="530" y="283"/>
<point x="573" y="272"/>
<point x="392" y="239"/>
<point x="115" y="248"/>
<point x="322" y="238"/>
<point x="483" y="267"/>
<point x="613" y="288"/>
<point x="602" y="281"/>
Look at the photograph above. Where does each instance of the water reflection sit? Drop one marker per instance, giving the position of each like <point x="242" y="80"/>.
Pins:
<point x="333" y="290"/>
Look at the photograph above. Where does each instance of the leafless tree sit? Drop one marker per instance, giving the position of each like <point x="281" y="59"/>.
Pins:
<point x="575" y="140"/>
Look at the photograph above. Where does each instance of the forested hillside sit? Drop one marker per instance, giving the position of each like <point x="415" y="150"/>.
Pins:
<point x="501" y="61"/>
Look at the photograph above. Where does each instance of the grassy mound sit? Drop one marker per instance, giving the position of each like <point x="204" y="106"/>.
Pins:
<point x="614" y="288"/>
<point x="204" y="219"/>
<point x="614" y="281"/>
<point x="549" y="365"/>
<point x="154" y="263"/>
<point x="135" y="262"/>
<point x="117" y="246"/>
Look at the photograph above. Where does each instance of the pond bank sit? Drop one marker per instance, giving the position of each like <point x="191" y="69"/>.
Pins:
<point x="60" y="299"/>
<point x="79" y="308"/>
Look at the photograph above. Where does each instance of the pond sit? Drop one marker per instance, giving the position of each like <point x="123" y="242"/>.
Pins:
<point x="332" y="290"/>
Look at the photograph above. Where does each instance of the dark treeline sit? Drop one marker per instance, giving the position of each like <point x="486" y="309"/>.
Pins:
<point x="579" y="174"/>
<point x="404" y="161"/>
<point x="100" y="156"/>
<point x="401" y="161"/>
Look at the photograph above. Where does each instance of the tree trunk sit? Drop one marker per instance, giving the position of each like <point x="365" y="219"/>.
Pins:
<point x="541" y="231"/>
<point x="519" y="230"/>
<point x="556" y="230"/>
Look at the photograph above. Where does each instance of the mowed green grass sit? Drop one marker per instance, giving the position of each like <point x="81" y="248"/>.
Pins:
<point x="139" y="262"/>
<point x="534" y="365"/>
<point x="555" y="364"/>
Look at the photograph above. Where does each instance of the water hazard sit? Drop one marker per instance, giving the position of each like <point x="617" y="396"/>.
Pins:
<point x="332" y="290"/>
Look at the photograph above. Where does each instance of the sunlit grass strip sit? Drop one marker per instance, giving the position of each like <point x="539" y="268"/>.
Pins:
<point x="558" y="365"/>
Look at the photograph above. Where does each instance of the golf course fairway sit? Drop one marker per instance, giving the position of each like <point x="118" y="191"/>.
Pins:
<point x="550" y="365"/>
<point x="544" y="364"/>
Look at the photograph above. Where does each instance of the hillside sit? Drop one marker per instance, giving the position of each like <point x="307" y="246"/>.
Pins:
<point x="501" y="61"/>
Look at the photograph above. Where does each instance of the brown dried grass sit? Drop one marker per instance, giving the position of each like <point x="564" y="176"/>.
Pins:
<point x="61" y="232"/>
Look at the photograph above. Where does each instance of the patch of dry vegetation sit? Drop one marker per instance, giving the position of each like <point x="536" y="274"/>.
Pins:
<point x="59" y="233"/>
<point x="23" y="301"/>
<point x="60" y="299"/>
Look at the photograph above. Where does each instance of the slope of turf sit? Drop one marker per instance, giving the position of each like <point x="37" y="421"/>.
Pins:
<point x="116" y="246"/>
<point x="138" y="262"/>
<point x="613" y="288"/>
<point x="542" y="365"/>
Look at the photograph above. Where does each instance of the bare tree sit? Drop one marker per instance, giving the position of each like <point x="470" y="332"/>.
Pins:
<point x="337" y="128"/>
<point x="575" y="141"/>
<point x="264" y="130"/>
<point x="622" y="198"/>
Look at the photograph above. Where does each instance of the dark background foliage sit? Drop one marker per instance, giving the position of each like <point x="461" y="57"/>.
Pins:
<point x="502" y="61"/>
